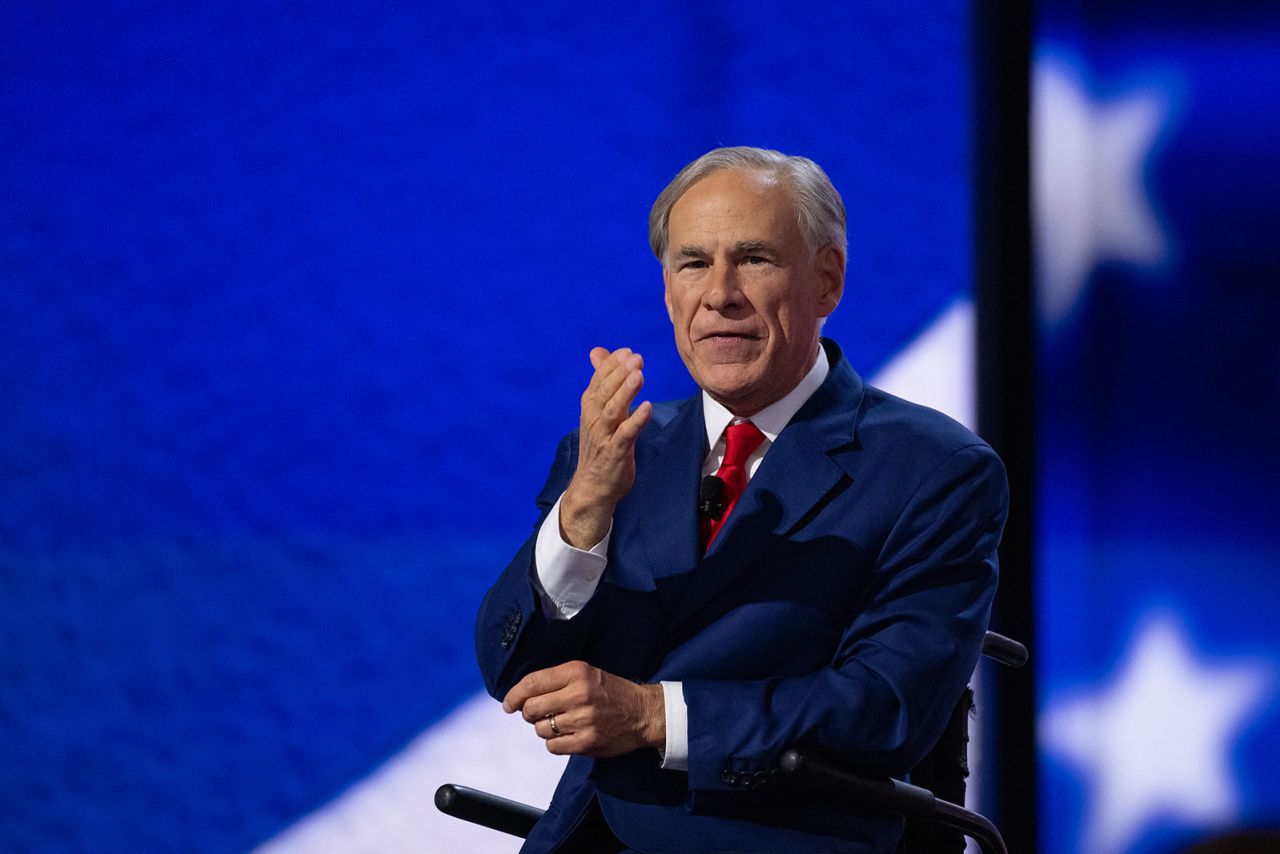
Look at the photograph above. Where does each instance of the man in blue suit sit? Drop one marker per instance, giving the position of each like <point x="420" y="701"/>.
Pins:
<point x="828" y="588"/>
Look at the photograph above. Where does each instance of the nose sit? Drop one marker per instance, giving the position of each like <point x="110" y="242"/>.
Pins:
<point x="722" y="292"/>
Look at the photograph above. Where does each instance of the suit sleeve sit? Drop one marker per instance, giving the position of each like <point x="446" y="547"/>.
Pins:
<point x="903" y="659"/>
<point x="513" y="637"/>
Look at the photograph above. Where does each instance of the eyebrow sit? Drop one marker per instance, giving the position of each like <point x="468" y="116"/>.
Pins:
<point x="742" y="247"/>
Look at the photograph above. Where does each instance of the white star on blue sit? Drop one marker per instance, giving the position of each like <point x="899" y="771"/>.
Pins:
<point x="1092" y="204"/>
<point x="1155" y="742"/>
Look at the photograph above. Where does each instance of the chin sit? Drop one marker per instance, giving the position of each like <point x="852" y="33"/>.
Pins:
<point x="731" y="392"/>
<point x="727" y="379"/>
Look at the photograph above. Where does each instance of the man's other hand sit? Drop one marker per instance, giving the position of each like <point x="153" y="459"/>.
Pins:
<point x="606" y="446"/>
<point x="578" y="708"/>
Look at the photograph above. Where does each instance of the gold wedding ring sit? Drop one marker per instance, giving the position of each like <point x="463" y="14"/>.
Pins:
<point x="555" y="730"/>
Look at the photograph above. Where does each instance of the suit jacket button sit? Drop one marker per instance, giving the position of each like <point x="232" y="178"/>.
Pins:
<point x="729" y="778"/>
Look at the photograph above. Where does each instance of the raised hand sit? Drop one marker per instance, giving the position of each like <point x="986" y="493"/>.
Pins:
<point x="578" y="708"/>
<point x="606" y="446"/>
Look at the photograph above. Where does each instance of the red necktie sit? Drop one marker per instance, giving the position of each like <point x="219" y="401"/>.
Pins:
<point x="740" y="442"/>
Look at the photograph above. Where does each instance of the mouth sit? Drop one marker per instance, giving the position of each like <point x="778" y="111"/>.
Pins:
<point x="727" y="335"/>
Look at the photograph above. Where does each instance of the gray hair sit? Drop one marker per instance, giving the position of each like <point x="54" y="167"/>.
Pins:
<point x="820" y="211"/>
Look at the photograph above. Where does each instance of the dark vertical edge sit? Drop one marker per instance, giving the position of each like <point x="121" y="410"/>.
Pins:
<point x="1001" y="79"/>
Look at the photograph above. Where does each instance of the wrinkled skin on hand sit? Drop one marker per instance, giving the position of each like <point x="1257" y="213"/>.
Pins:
<point x="606" y="446"/>
<point x="597" y="713"/>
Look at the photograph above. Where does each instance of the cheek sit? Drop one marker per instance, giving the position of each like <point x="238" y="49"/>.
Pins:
<point x="684" y="309"/>
<point x="679" y="318"/>
<point x="793" y="315"/>
<point x="770" y="298"/>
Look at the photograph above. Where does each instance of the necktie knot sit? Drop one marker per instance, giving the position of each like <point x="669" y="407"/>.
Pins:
<point x="740" y="442"/>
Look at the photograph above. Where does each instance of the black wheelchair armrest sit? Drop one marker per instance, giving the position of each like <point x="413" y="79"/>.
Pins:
<point x="893" y="796"/>
<point x="1006" y="651"/>
<point x="487" y="810"/>
<point x="884" y="793"/>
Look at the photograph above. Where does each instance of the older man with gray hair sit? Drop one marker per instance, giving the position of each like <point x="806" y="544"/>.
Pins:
<point x="789" y="558"/>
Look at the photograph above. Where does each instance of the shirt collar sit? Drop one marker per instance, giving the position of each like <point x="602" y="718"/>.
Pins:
<point x="776" y="415"/>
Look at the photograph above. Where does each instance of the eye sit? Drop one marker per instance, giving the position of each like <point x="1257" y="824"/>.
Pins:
<point x="756" y="259"/>
<point x="693" y="264"/>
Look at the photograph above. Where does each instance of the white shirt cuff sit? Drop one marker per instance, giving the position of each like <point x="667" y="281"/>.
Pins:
<point x="676" y="755"/>
<point x="566" y="577"/>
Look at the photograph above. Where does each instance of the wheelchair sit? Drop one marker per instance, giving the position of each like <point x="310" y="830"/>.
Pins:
<point x="931" y="804"/>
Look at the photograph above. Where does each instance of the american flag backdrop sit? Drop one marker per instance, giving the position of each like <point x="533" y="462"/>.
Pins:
<point x="1155" y="136"/>
<point x="295" y="302"/>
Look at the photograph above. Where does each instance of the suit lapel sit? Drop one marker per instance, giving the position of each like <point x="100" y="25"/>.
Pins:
<point x="661" y="542"/>
<point x="800" y="470"/>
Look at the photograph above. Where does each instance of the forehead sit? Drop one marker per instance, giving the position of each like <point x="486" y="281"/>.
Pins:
<point x="734" y="204"/>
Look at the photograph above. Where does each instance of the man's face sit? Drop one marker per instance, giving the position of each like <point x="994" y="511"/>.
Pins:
<point x="743" y="294"/>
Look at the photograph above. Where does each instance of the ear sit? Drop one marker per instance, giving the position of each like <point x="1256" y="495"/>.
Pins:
<point x="829" y="266"/>
<point x="666" y="293"/>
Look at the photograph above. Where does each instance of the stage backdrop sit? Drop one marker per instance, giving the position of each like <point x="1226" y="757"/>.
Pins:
<point x="295" y="302"/>
<point x="1157" y="128"/>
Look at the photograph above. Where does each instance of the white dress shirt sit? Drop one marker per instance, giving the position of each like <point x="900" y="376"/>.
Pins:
<point x="566" y="577"/>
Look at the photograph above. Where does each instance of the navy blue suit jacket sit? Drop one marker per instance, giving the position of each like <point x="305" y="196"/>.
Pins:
<point x="841" y="608"/>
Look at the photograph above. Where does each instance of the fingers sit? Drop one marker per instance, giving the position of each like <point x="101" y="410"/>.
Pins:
<point x="564" y="723"/>
<point x="611" y="373"/>
<point x="571" y="739"/>
<point x="606" y="404"/>
<point x="570" y="745"/>
<point x="539" y="683"/>
<point x="556" y="689"/>
<point x="595" y="713"/>
<point x="600" y="357"/>
<point x="618" y="377"/>
<point x="607" y="433"/>
<point x="606" y="365"/>
<point x="629" y="429"/>
<point x="587" y="731"/>
<point x="543" y="728"/>
<point x="533" y="685"/>
<point x="553" y="702"/>
<point x="616" y="408"/>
